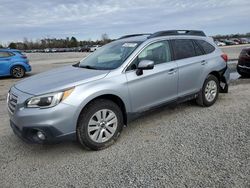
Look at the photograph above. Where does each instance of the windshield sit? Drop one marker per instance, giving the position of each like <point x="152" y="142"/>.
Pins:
<point x="110" y="56"/>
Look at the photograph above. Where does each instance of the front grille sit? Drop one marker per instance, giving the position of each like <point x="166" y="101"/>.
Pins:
<point x="12" y="102"/>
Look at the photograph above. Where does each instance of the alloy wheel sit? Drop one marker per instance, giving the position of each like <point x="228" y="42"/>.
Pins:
<point x="18" y="72"/>
<point x="211" y="90"/>
<point x="102" y="125"/>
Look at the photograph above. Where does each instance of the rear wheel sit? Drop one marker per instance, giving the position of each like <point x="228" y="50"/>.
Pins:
<point x="17" y="72"/>
<point x="210" y="91"/>
<point x="100" y="124"/>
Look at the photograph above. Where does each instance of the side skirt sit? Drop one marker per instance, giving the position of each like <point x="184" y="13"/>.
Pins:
<point x="133" y="116"/>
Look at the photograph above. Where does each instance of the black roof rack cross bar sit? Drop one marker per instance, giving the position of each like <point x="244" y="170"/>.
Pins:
<point x="177" y="32"/>
<point x="133" y="35"/>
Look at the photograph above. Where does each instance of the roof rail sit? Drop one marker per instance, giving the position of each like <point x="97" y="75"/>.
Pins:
<point x="177" y="32"/>
<point x="133" y="35"/>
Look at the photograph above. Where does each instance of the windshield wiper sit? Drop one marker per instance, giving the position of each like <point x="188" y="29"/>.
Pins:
<point x="87" y="67"/>
<point x="76" y="65"/>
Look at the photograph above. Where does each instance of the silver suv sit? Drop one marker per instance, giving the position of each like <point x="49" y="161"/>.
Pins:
<point x="92" y="100"/>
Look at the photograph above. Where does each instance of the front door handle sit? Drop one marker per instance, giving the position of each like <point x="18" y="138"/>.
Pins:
<point x="172" y="71"/>
<point x="204" y="62"/>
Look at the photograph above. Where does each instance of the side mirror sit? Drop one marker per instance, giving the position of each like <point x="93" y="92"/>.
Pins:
<point x="144" y="65"/>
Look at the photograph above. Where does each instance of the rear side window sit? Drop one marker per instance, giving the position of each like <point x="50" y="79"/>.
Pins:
<point x="208" y="48"/>
<point x="4" y="54"/>
<point x="183" y="48"/>
<point x="198" y="49"/>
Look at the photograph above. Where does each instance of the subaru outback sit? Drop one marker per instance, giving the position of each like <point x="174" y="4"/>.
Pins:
<point x="94" y="99"/>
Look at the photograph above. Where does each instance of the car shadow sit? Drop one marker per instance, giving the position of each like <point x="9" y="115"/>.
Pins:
<point x="65" y="147"/>
<point x="11" y="78"/>
<point x="73" y="147"/>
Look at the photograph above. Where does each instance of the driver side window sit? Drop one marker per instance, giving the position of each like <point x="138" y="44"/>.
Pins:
<point x="158" y="52"/>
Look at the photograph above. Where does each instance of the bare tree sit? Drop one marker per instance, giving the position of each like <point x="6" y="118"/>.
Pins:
<point x="105" y="38"/>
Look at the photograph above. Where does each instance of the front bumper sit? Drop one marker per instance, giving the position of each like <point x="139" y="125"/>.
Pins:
<point x="29" y="134"/>
<point x="243" y="69"/>
<point x="57" y="123"/>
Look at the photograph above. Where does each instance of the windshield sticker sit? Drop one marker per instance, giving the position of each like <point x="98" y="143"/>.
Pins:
<point x="129" y="45"/>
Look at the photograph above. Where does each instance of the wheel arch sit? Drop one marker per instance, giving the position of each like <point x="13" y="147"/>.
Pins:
<point x="216" y="74"/>
<point x="114" y="98"/>
<point x="221" y="79"/>
<point x="16" y="65"/>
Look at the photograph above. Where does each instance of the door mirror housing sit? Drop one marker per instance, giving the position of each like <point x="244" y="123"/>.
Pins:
<point x="144" y="65"/>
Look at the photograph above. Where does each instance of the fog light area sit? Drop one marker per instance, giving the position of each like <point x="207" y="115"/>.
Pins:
<point x="40" y="135"/>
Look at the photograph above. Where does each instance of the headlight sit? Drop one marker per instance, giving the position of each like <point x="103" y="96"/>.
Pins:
<point x="48" y="100"/>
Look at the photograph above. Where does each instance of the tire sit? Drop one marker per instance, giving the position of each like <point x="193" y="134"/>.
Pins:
<point x="17" y="72"/>
<point x="96" y="132"/>
<point x="209" y="92"/>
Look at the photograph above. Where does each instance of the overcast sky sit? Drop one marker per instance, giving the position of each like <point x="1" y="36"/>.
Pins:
<point x="88" y="19"/>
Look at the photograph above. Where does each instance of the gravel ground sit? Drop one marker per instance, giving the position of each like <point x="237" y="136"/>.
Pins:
<point x="181" y="146"/>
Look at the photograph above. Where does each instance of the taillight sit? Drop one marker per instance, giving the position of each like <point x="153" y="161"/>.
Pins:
<point x="224" y="57"/>
<point x="24" y="57"/>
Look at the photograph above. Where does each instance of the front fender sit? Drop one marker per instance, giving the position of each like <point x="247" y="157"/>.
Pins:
<point x="85" y="93"/>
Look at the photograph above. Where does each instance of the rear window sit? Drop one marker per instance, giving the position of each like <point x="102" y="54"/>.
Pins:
<point x="208" y="48"/>
<point x="198" y="49"/>
<point x="183" y="48"/>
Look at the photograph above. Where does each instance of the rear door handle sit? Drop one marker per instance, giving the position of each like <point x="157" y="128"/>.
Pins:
<point x="172" y="71"/>
<point x="204" y="62"/>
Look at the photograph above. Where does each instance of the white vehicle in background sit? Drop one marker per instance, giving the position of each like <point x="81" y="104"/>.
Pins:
<point x="47" y="50"/>
<point x="218" y="43"/>
<point x="94" y="48"/>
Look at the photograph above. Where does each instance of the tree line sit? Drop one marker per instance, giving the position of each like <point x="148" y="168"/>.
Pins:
<point x="44" y="43"/>
<point x="73" y="42"/>
<point x="247" y="35"/>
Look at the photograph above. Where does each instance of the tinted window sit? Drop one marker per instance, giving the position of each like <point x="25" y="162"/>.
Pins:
<point x="198" y="49"/>
<point x="4" y="54"/>
<point x="158" y="52"/>
<point x="208" y="48"/>
<point x="183" y="48"/>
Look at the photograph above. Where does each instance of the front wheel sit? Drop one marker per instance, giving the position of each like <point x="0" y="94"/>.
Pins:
<point x="99" y="124"/>
<point x="17" y="72"/>
<point x="210" y="91"/>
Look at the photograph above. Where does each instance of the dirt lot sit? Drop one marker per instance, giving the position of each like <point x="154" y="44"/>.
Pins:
<point x="182" y="146"/>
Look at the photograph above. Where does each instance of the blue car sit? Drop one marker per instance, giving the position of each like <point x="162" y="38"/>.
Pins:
<point x="13" y="63"/>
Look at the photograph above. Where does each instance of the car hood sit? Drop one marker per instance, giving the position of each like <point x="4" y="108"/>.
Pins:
<point x="59" y="79"/>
